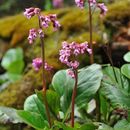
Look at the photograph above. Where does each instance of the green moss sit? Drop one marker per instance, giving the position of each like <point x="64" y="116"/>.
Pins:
<point x="119" y="11"/>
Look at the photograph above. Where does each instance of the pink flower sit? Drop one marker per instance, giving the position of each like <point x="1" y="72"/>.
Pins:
<point x="71" y="73"/>
<point x="45" y="20"/>
<point x="92" y="2"/>
<point x="72" y="50"/>
<point x="57" y="3"/>
<point x="37" y="63"/>
<point x="48" y="67"/>
<point x="30" y="12"/>
<point x="103" y="8"/>
<point x="80" y="3"/>
<point x="32" y="35"/>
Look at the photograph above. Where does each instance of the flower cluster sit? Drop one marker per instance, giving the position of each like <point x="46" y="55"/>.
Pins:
<point x="80" y="3"/>
<point x="70" y="50"/>
<point x="101" y="6"/>
<point x="37" y="64"/>
<point x="44" y="21"/>
<point x="57" y="3"/>
<point x="33" y="33"/>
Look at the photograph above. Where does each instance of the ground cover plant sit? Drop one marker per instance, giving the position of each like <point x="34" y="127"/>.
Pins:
<point x="95" y="97"/>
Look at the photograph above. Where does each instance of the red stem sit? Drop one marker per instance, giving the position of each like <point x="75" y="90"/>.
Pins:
<point x="91" y="34"/>
<point x="43" y="75"/>
<point x="73" y="97"/>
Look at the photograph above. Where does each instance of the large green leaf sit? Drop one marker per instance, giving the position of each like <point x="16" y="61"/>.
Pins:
<point x="33" y="104"/>
<point x="33" y="119"/>
<point x="53" y="100"/>
<point x="89" y="80"/>
<point x="125" y="69"/>
<point x="9" y="115"/>
<point x="34" y="113"/>
<point x="61" y="81"/>
<point x="122" y="125"/>
<point x="113" y="76"/>
<point x="13" y="61"/>
<point x="63" y="85"/>
<point x="127" y="57"/>
<point x="117" y="91"/>
<point x="88" y="126"/>
<point x="104" y="127"/>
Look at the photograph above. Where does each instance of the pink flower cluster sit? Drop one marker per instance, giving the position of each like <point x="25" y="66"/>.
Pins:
<point x="70" y="50"/>
<point x="57" y="3"/>
<point x="80" y="3"/>
<point x="44" y="20"/>
<point x="33" y="33"/>
<point x="37" y="64"/>
<point x="74" y="49"/>
<point x="101" y="6"/>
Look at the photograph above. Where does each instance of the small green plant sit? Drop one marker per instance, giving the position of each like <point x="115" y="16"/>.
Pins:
<point x="13" y="63"/>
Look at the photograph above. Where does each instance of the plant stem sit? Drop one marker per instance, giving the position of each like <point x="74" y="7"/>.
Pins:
<point x="73" y="97"/>
<point x="98" y="113"/>
<point x="43" y="75"/>
<point x="91" y="33"/>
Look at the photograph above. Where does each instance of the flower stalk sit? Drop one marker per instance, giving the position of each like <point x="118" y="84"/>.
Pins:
<point x="74" y="96"/>
<point x="43" y="74"/>
<point x="91" y="33"/>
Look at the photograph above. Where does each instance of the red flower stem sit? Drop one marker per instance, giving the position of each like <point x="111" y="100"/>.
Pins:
<point x="91" y="33"/>
<point x="73" y="97"/>
<point x="43" y="75"/>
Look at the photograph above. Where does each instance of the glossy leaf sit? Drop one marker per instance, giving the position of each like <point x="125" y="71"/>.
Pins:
<point x="127" y="57"/>
<point x="104" y="127"/>
<point x="89" y="80"/>
<point x="9" y="115"/>
<point x="13" y="61"/>
<point x="33" y="119"/>
<point x="122" y="125"/>
<point x="88" y="126"/>
<point x="61" y="80"/>
<point x="33" y="104"/>
<point x="116" y="91"/>
<point x="125" y="69"/>
<point x="34" y="113"/>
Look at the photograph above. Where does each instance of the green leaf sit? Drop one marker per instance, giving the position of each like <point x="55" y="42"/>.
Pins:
<point x="34" y="113"/>
<point x="88" y="126"/>
<point x="104" y="127"/>
<point x="33" y="104"/>
<point x="125" y="69"/>
<point x="116" y="91"/>
<point x="113" y="76"/>
<point x="122" y="125"/>
<point x="9" y="115"/>
<point x="60" y="81"/>
<point x="60" y="125"/>
<point x="53" y="101"/>
<point x="63" y="84"/>
<point x="127" y="57"/>
<point x="33" y="119"/>
<point x="89" y="80"/>
<point x="13" y="61"/>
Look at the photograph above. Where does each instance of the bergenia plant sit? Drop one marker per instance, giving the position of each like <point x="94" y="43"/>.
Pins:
<point x="92" y="4"/>
<point x="71" y="87"/>
<point x="44" y="22"/>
